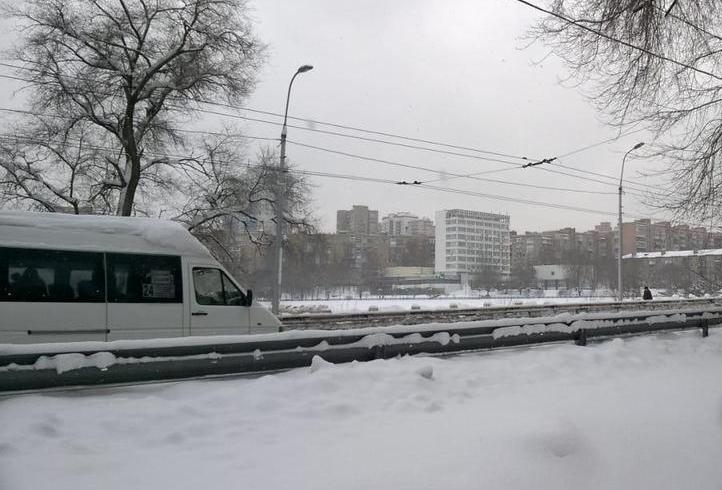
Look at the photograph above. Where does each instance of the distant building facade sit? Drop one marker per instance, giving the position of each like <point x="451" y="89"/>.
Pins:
<point x="357" y="220"/>
<point x="406" y="224"/>
<point x="598" y="248"/>
<point x="470" y="241"/>
<point x="550" y="276"/>
<point x="644" y="236"/>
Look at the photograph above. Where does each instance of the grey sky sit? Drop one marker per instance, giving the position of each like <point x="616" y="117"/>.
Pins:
<point x="450" y="71"/>
<point x="439" y="70"/>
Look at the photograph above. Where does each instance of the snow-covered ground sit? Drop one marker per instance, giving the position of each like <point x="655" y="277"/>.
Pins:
<point x="405" y="304"/>
<point x="639" y="413"/>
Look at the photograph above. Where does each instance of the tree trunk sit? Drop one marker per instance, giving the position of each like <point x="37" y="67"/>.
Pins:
<point x="132" y="166"/>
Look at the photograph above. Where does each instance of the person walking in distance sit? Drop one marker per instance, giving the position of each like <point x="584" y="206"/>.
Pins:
<point x="647" y="295"/>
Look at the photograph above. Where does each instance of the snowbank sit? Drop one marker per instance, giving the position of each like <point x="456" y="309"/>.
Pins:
<point x="639" y="413"/>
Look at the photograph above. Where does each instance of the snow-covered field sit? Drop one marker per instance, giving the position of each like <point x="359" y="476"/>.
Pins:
<point x="641" y="413"/>
<point x="405" y="304"/>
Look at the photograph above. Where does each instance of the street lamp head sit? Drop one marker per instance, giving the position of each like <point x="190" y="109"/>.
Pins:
<point x="304" y="68"/>
<point x="638" y="145"/>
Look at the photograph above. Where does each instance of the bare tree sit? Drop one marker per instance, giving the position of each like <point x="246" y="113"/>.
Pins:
<point x="128" y="71"/>
<point x="52" y="170"/>
<point x="219" y="185"/>
<point x="486" y="277"/>
<point x="522" y="275"/>
<point x="578" y="269"/>
<point x="657" y="62"/>
<point x="229" y="203"/>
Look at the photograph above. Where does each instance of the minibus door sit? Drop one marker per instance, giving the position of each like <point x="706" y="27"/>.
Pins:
<point x="145" y="296"/>
<point x="216" y="304"/>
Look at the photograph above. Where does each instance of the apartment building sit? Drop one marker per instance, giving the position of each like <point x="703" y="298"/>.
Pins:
<point x="357" y="220"/>
<point x="526" y="248"/>
<point x="469" y="241"/>
<point x="644" y="236"/>
<point x="406" y="224"/>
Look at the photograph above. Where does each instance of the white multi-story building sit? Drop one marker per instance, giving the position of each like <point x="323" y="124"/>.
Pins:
<point x="469" y="241"/>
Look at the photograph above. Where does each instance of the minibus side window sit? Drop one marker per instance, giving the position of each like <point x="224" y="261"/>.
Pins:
<point x="32" y="275"/>
<point x="135" y="278"/>
<point x="234" y="296"/>
<point x="213" y="287"/>
<point x="209" y="286"/>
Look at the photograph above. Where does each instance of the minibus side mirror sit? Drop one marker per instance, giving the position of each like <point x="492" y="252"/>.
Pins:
<point x="249" y="298"/>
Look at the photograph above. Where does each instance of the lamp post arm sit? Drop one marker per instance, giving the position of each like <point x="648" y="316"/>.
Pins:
<point x="288" y="99"/>
<point x="621" y="175"/>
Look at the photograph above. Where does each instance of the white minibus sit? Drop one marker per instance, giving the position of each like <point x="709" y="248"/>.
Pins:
<point x="66" y="278"/>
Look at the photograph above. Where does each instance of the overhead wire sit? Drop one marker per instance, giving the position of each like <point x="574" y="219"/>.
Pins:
<point x="598" y="33"/>
<point x="516" y="165"/>
<point x="472" y="176"/>
<point x="523" y="201"/>
<point x="360" y="138"/>
<point x="669" y="13"/>
<point x="419" y="140"/>
<point x="328" y="132"/>
<point x="436" y="171"/>
<point x="629" y="189"/>
<point x="361" y="179"/>
<point x="368" y="131"/>
<point x="107" y="149"/>
<point x="636" y="185"/>
<point x="366" y="158"/>
<point x="189" y="131"/>
<point x="594" y="145"/>
<point x="600" y="143"/>
<point x="579" y="24"/>
<point x="444" y="177"/>
<point x="15" y="138"/>
<point x="573" y="152"/>
<point x="466" y="193"/>
<point x="315" y="121"/>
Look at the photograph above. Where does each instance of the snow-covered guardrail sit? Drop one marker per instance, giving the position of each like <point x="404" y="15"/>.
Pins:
<point x="38" y="366"/>
<point x="333" y="321"/>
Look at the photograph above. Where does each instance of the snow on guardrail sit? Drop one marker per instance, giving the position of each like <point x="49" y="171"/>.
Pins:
<point x="36" y="366"/>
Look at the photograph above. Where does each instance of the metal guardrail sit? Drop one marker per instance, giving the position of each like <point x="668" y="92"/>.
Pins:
<point x="40" y="366"/>
<point x="334" y="321"/>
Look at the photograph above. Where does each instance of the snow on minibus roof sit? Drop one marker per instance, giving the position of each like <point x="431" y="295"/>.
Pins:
<point x="97" y="233"/>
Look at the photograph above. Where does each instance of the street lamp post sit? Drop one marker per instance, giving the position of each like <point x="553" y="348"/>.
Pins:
<point x="281" y="198"/>
<point x="620" y="291"/>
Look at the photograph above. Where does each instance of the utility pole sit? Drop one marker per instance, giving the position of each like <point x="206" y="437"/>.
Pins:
<point x="281" y="201"/>
<point x="620" y="290"/>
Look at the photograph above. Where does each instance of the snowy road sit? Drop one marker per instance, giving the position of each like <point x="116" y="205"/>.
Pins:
<point x="640" y="413"/>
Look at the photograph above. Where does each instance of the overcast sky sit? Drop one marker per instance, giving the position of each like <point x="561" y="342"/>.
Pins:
<point x="454" y="72"/>
<point x="449" y="71"/>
